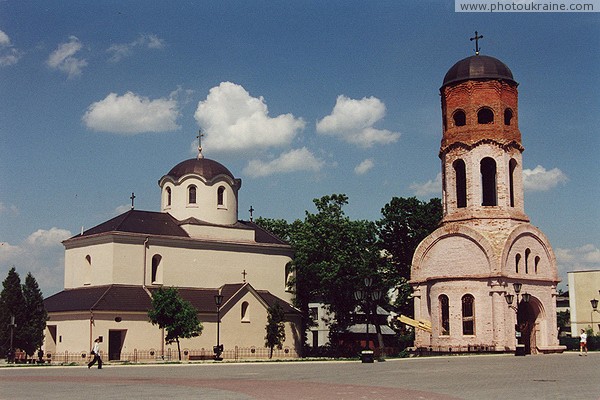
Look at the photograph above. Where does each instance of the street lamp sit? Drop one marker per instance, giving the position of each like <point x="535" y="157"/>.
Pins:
<point x="367" y="296"/>
<point x="594" y="303"/>
<point x="519" y="349"/>
<point x="218" y="349"/>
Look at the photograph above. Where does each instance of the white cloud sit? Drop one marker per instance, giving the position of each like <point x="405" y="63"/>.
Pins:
<point x="364" y="167"/>
<point x="232" y="120"/>
<point x="8" y="54"/>
<point x="8" y="209"/>
<point x="431" y="187"/>
<point x="41" y="254"/>
<point x="540" y="180"/>
<point x="63" y="58"/>
<point x="292" y="161"/>
<point x="586" y="257"/>
<point x="122" y="50"/>
<point x="122" y="209"/>
<point x="352" y="121"/>
<point x="131" y="114"/>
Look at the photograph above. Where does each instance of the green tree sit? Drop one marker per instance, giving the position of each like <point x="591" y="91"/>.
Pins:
<point x="11" y="305"/>
<point x="32" y="332"/>
<point x="563" y="321"/>
<point x="275" y="328"/>
<point x="174" y="314"/>
<point x="404" y="224"/>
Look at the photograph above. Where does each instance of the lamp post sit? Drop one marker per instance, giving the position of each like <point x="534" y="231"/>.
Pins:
<point x="520" y="348"/>
<point x="594" y="303"/>
<point x="12" y="326"/>
<point x="367" y="295"/>
<point x="218" y="349"/>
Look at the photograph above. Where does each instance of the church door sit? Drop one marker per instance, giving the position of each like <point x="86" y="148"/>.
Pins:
<point x="526" y="317"/>
<point x="115" y="344"/>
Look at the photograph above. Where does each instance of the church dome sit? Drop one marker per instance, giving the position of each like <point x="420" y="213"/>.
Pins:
<point x="204" y="167"/>
<point x="478" y="67"/>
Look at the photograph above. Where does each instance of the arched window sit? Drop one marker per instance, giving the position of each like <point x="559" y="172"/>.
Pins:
<point x="87" y="273"/>
<point x="508" y="114"/>
<point x="192" y="194"/>
<point x="468" y="314"/>
<point x="156" y="269"/>
<point x="485" y="116"/>
<point x="245" y="312"/>
<point x="512" y="165"/>
<point x="221" y="196"/>
<point x="444" y="315"/>
<point x="517" y="262"/>
<point x="488" y="182"/>
<point x="536" y="263"/>
<point x="168" y="194"/>
<point x="460" y="119"/>
<point x="460" y="174"/>
<point x="527" y="253"/>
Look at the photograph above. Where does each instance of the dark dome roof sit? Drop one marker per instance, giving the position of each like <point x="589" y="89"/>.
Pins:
<point x="204" y="167"/>
<point x="478" y="67"/>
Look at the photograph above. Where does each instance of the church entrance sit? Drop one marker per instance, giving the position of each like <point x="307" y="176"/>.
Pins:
<point x="526" y="317"/>
<point x="115" y="343"/>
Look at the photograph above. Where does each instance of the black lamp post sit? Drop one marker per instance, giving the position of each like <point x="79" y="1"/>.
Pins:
<point x="519" y="349"/>
<point x="594" y="303"/>
<point x="367" y="296"/>
<point x="218" y="349"/>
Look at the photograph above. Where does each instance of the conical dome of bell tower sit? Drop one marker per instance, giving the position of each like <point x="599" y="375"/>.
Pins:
<point x="481" y="143"/>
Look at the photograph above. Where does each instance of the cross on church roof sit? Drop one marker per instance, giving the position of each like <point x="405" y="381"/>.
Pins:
<point x="476" y="39"/>
<point x="199" y="137"/>
<point x="132" y="198"/>
<point x="244" y="273"/>
<point x="251" y="211"/>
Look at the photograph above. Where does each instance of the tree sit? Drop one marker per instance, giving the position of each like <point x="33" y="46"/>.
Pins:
<point x="404" y="224"/>
<point x="174" y="314"/>
<point x="11" y="305"/>
<point x="32" y="332"/>
<point x="563" y="321"/>
<point x="275" y="328"/>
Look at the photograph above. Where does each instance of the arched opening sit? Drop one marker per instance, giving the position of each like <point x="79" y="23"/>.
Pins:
<point x="488" y="182"/>
<point x="460" y="118"/>
<point x="527" y="254"/>
<point x="168" y="196"/>
<point x="508" y="114"/>
<point x="87" y="273"/>
<point x="517" y="262"/>
<point x="156" y="269"/>
<point x="512" y="165"/>
<point x="527" y="314"/>
<point x="536" y="263"/>
<point x="485" y="116"/>
<point x="460" y="173"/>
<point x="444" y="315"/>
<point x="468" y="314"/>
<point x="245" y="312"/>
<point x="191" y="194"/>
<point x="221" y="196"/>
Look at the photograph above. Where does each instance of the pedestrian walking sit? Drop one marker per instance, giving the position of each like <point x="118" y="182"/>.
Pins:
<point x="583" y="343"/>
<point x="96" y="353"/>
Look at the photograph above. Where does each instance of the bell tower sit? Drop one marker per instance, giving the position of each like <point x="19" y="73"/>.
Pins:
<point x="481" y="144"/>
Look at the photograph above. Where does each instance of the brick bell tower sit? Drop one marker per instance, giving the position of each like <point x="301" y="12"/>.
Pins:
<point x="463" y="274"/>
<point x="481" y="144"/>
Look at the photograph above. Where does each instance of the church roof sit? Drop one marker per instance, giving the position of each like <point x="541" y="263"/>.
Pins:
<point x="478" y="67"/>
<point x="209" y="169"/>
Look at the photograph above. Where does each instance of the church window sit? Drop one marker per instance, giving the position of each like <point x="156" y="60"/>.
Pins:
<point x="468" y="314"/>
<point x="87" y="273"/>
<point x="485" y="116"/>
<point x="460" y="119"/>
<point x="156" y="269"/>
<point x="221" y="196"/>
<point x="527" y="253"/>
<point x="461" y="183"/>
<point x="444" y="315"/>
<point x="192" y="194"/>
<point x="517" y="262"/>
<point x="536" y="262"/>
<point x="245" y="312"/>
<point x="488" y="182"/>
<point x="508" y="114"/>
<point x="168" y="199"/>
<point x="512" y="165"/>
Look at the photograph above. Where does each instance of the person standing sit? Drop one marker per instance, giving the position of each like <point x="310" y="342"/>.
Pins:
<point x="96" y="352"/>
<point x="583" y="343"/>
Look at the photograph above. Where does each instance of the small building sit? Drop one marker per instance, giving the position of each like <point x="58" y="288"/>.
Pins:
<point x="195" y="243"/>
<point x="584" y="288"/>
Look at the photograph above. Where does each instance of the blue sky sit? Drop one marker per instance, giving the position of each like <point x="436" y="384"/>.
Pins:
<point x="298" y="99"/>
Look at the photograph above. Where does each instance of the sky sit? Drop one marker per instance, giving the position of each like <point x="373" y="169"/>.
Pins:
<point x="99" y="99"/>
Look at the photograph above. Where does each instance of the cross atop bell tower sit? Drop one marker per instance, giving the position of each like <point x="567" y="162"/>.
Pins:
<point x="476" y="39"/>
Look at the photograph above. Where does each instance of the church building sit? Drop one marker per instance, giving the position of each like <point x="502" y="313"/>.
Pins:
<point x="195" y="243"/>
<point x="486" y="278"/>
